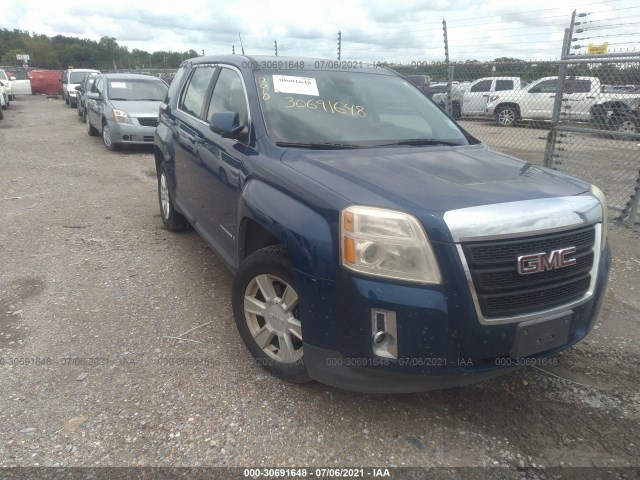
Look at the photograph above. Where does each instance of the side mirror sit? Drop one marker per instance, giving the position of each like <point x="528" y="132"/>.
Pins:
<point x="79" y="88"/>
<point x="535" y="90"/>
<point x="93" y="95"/>
<point x="12" y="78"/>
<point x="226" y="124"/>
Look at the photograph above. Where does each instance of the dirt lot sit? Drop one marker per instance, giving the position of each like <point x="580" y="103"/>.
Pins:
<point x="102" y="311"/>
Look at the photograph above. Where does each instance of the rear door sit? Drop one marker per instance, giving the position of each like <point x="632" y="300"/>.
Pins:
<point x="21" y="85"/>
<point x="578" y="99"/>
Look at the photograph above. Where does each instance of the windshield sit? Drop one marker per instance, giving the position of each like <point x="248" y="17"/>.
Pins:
<point x="77" y="77"/>
<point x="154" y="90"/>
<point x="346" y="107"/>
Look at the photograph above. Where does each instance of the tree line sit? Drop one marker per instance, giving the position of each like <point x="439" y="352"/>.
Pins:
<point x="61" y="52"/>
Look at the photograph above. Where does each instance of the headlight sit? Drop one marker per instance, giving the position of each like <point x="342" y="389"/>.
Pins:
<point x="599" y="194"/>
<point x="386" y="243"/>
<point x="120" y="117"/>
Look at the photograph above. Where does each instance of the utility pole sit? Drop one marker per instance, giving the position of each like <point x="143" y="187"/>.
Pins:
<point x="233" y="49"/>
<point x="275" y="46"/>
<point x="339" y="43"/>
<point x="448" y="107"/>
<point x="203" y="52"/>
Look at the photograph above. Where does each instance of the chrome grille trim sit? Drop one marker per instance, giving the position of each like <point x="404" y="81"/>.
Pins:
<point x="526" y="219"/>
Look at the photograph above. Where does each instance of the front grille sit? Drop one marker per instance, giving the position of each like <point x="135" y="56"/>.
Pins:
<point x="502" y="291"/>
<point x="148" y="121"/>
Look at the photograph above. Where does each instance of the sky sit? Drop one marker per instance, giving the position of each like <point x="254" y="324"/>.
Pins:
<point x="372" y="30"/>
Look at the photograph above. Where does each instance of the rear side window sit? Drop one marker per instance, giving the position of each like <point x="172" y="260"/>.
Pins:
<point x="504" y="85"/>
<point x="577" y="86"/>
<point x="196" y="89"/>
<point x="483" y="86"/>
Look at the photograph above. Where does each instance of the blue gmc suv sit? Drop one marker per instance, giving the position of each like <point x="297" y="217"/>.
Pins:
<point x="376" y="245"/>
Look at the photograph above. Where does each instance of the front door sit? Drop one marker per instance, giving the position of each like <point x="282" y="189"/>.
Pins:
<point x="218" y="172"/>
<point x="475" y="100"/>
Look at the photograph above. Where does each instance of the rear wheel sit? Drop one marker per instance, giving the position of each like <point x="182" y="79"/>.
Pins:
<point x="172" y="220"/>
<point x="506" y="116"/>
<point x="267" y="314"/>
<point x="625" y="124"/>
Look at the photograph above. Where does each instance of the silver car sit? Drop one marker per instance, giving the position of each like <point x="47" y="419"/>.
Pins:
<point x="124" y="108"/>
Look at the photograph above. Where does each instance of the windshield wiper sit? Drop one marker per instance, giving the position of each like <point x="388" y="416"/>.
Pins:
<point x="318" y="146"/>
<point x="421" y="141"/>
<point x="119" y="99"/>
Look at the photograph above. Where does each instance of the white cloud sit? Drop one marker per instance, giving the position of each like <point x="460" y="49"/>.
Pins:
<point x="371" y="30"/>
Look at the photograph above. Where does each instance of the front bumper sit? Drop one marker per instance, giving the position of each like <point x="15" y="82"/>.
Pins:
<point x="123" y="133"/>
<point x="440" y="340"/>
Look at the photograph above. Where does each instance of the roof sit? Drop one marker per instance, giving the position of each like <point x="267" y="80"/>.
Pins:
<point x="271" y="62"/>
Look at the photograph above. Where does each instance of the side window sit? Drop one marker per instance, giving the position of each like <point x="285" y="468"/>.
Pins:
<point x="193" y="97"/>
<point x="483" y="86"/>
<point x="175" y="83"/>
<point x="577" y="86"/>
<point x="548" y="86"/>
<point x="228" y="96"/>
<point x="97" y="86"/>
<point x="504" y="85"/>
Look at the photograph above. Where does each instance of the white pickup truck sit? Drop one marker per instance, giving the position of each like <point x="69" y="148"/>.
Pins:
<point x="470" y="99"/>
<point x="583" y="101"/>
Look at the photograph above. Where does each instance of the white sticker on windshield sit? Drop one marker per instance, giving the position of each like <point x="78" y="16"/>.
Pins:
<point x="118" y="85"/>
<point x="299" y="85"/>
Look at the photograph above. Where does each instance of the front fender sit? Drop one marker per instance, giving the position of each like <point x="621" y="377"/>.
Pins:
<point x="306" y="234"/>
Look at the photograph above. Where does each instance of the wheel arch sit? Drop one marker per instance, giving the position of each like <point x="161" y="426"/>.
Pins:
<point x="268" y="216"/>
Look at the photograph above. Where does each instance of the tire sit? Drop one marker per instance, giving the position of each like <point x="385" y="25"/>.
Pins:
<point x="66" y="99"/>
<point x="223" y="177"/>
<point x="91" y="130"/>
<point x="456" y="111"/>
<point x="79" y="110"/>
<point x="106" y="138"/>
<point x="1" y="114"/>
<point x="172" y="220"/>
<point x="267" y="314"/>
<point x="625" y="123"/>
<point x="507" y="116"/>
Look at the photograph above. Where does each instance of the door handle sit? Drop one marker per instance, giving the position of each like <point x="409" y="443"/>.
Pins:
<point x="591" y="97"/>
<point x="552" y="96"/>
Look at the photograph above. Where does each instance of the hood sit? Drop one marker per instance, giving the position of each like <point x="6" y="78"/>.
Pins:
<point x="138" y="108"/>
<point x="430" y="180"/>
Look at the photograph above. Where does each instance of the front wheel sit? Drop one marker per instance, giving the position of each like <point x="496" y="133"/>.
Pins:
<point x="267" y="313"/>
<point x="106" y="138"/>
<point x="507" y="116"/>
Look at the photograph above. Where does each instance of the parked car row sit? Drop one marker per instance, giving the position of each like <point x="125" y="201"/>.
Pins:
<point x="122" y="108"/>
<point x="509" y="100"/>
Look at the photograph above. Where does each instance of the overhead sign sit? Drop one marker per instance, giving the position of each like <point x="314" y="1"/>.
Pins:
<point x="22" y="56"/>
<point x="597" y="49"/>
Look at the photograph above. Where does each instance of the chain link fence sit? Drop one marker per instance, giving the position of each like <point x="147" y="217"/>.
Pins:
<point x="579" y="114"/>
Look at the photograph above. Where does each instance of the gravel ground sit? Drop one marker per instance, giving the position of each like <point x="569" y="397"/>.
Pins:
<point x="127" y="353"/>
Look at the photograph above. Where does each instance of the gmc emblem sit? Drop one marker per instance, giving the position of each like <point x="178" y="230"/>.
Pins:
<point x="539" y="262"/>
